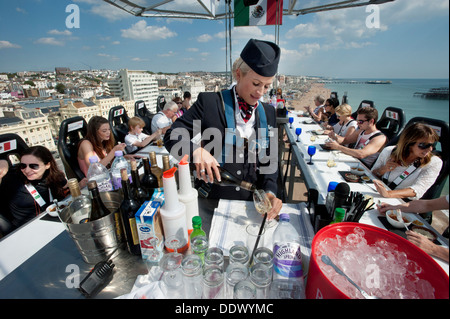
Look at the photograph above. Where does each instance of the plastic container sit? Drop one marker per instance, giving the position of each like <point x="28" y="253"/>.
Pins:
<point x="173" y="212"/>
<point x="320" y="287"/>
<point x="99" y="173"/>
<point x="119" y="163"/>
<point x="287" y="256"/>
<point x="187" y="194"/>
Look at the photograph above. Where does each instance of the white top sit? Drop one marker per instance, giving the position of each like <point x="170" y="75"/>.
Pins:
<point x="130" y="139"/>
<point x="341" y="130"/>
<point x="420" y="180"/>
<point x="160" y="121"/>
<point x="361" y="143"/>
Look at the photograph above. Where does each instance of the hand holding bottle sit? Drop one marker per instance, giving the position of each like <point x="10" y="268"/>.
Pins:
<point x="206" y="165"/>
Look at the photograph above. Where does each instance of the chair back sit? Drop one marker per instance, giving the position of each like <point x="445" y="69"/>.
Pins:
<point x="160" y="102"/>
<point x="118" y="122"/>
<point x="141" y="111"/>
<point x="71" y="132"/>
<point x="363" y="104"/>
<point x="11" y="146"/>
<point x="391" y="122"/>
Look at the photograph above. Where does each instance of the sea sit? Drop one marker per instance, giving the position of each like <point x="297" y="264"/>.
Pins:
<point x="400" y="93"/>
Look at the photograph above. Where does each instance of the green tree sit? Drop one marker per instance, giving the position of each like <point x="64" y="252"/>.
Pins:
<point x="61" y="88"/>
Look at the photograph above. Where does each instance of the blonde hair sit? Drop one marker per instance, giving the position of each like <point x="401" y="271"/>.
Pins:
<point x="135" y="121"/>
<point x="240" y="64"/>
<point x="344" y="109"/>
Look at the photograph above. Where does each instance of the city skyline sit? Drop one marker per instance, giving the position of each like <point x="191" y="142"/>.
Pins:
<point x="411" y="40"/>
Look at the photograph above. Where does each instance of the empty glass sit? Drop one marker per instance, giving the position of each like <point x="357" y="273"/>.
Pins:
<point x="213" y="282"/>
<point x="311" y="152"/>
<point x="261" y="277"/>
<point x="291" y="120"/>
<point x="235" y="273"/>
<point x="263" y="255"/>
<point x="244" y="290"/>
<point x="191" y="266"/>
<point x="239" y="254"/>
<point x="214" y="256"/>
<point x="252" y="231"/>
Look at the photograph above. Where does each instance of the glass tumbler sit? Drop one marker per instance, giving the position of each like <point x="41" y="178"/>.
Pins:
<point x="214" y="256"/>
<point x="252" y="235"/>
<point x="235" y="273"/>
<point x="265" y="256"/>
<point x="213" y="282"/>
<point x="244" y="290"/>
<point x="261" y="277"/>
<point x="191" y="266"/>
<point x="239" y="254"/>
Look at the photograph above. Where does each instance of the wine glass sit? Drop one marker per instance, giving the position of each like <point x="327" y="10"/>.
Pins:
<point x="170" y="263"/>
<point x="154" y="252"/>
<point x="311" y="152"/>
<point x="263" y="205"/>
<point x="312" y="138"/>
<point x="298" y="131"/>
<point x="291" y="120"/>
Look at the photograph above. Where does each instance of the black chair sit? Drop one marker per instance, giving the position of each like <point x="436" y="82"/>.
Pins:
<point x="141" y="111"/>
<point x="160" y="102"/>
<point x="11" y="146"/>
<point x="363" y="104"/>
<point x="118" y="121"/>
<point x="391" y="122"/>
<point x="71" y="132"/>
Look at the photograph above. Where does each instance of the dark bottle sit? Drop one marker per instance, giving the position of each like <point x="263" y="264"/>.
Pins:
<point x="99" y="209"/>
<point x="128" y="209"/>
<point x="139" y="193"/>
<point x="227" y="179"/>
<point x="148" y="180"/>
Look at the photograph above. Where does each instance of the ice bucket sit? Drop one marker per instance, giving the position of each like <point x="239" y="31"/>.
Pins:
<point x="98" y="239"/>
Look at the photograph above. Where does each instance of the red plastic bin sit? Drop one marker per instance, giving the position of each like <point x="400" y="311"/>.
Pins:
<point x="319" y="287"/>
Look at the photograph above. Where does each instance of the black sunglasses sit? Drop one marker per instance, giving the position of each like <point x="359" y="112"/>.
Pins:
<point x="32" y="166"/>
<point x="362" y="121"/>
<point x="424" y="146"/>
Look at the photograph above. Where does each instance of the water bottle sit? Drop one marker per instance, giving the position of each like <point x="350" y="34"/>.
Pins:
<point x="287" y="256"/>
<point x="99" y="173"/>
<point x="119" y="163"/>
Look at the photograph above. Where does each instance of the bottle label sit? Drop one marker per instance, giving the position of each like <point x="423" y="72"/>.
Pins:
<point x="134" y="232"/>
<point x="287" y="260"/>
<point x="105" y="185"/>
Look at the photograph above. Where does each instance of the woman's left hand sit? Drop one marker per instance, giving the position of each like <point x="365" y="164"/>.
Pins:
<point x="380" y="188"/>
<point x="276" y="206"/>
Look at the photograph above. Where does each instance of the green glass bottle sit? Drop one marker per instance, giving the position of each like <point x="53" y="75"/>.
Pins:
<point x="197" y="227"/>
<point x="339" y="215"/>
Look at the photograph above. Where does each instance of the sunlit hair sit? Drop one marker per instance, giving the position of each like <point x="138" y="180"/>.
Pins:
<point x="240" y="64"/>
<point x="409" y="138"/>
<point x="344" y="110"/>
<point x="371" y="113"/>
<point x="92" y="136"/>
<point x="135" y="121"/>
<point x="54" y="177"/>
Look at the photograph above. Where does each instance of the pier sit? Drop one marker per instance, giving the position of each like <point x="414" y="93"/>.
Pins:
<point x="435" y="93"/>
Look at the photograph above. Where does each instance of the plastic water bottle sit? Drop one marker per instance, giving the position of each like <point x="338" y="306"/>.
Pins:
<point x="99" y="173"/>
<point x="287" y="256"/>
<point x="119" y="163"/>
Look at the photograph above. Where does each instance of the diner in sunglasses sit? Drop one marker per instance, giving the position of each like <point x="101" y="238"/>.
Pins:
<point x="409" y="168"/>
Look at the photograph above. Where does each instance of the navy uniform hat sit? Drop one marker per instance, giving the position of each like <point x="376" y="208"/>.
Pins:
<point x="262" y="57"/>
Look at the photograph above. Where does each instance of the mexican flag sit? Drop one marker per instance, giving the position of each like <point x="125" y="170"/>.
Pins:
<point x="262" y="13"/>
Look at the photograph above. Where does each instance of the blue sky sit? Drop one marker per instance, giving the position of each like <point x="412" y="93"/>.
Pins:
<point x="411" y="40"/>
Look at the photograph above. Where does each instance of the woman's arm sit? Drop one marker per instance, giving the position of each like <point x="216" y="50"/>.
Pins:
<point x="4" y="167"/>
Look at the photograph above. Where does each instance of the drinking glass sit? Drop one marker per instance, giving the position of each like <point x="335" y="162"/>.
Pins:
<point x="191" y="267"/>
<point x="331" y="159"/>
<point x="291" y="120"/>
<point x="261" y="277"/>
<point x="311" y="152"/>
<point x="263" y="205"/>
<point x="170" y="264"/>
<point x="244" y="290"/>
<point x="298" y="131"/>
<point x="264" y="255"/>
<point x="252" y="231"/>
<point x="213" y="282"/>
<point x="239" y="254"/>
<point x="214" y="256"/>
<point x="235" y="273"/>
<point x="153" y="251"/>
<point x="312" y="138"/>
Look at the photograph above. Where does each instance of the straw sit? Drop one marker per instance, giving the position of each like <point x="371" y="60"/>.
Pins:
<point x="259" y="236"/>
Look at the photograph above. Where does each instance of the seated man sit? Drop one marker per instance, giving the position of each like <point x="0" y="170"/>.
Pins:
<point x="368" y="140"/>
<point x="135" y="138"/>
<point x="163" y="119"/>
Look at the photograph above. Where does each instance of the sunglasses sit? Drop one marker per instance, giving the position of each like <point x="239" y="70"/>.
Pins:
<point x="362" y="121"/>
<point x="424" y="146"/>
<point x="32" y="166"/>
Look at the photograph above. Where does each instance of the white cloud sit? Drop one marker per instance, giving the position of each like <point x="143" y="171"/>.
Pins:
<point x="167" y="54"/>
<point x="49" y="41"/>
<point x="192" y="49"/>
<point x="204" y="38"/>
<point x="8" y="45"/>
<point x="140" y="31"/>
<point x="139" y="60"/>
<point x="105" y="10"/>
<point x="108" y="56"/>
<point x="57" y="32"/>
<point x="116" y="42"/>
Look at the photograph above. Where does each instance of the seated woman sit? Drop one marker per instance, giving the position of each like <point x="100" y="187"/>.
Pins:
<point x="28" y="191"/>
<point x="98" y="142"/>
<point x="345" y="126"/>
<point x="408" y="168"/>
<point x="135" y="139"/>
<point x="330" y="111"/>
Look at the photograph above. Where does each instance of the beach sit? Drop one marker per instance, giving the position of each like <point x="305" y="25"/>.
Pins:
<point x="306" y="98"/>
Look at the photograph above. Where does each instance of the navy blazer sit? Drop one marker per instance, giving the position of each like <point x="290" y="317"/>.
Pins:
<point x="208" y="110"/>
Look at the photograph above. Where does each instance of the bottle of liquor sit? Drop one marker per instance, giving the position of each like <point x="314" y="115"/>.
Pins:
<point x="80" y="208"/>
<point x="128" y="209"/>
<point x="227" y="179"/>
<point x="148" y="180"/>
<point x="139" y="193"/>
<point x="99" y="209"/>
<point x="166" y="162"/>
<point x="156" y="169"/>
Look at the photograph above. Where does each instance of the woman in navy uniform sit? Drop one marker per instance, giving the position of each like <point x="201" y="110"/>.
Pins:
<point x="233" y="129"/>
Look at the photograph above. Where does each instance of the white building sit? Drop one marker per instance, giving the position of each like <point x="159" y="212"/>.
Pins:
<point x="135" y="85"/>
<point x="195" y="87"/>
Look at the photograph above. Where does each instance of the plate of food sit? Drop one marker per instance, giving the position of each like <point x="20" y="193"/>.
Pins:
<point x="352" y="178"/>
<point x="425" y="232"/>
